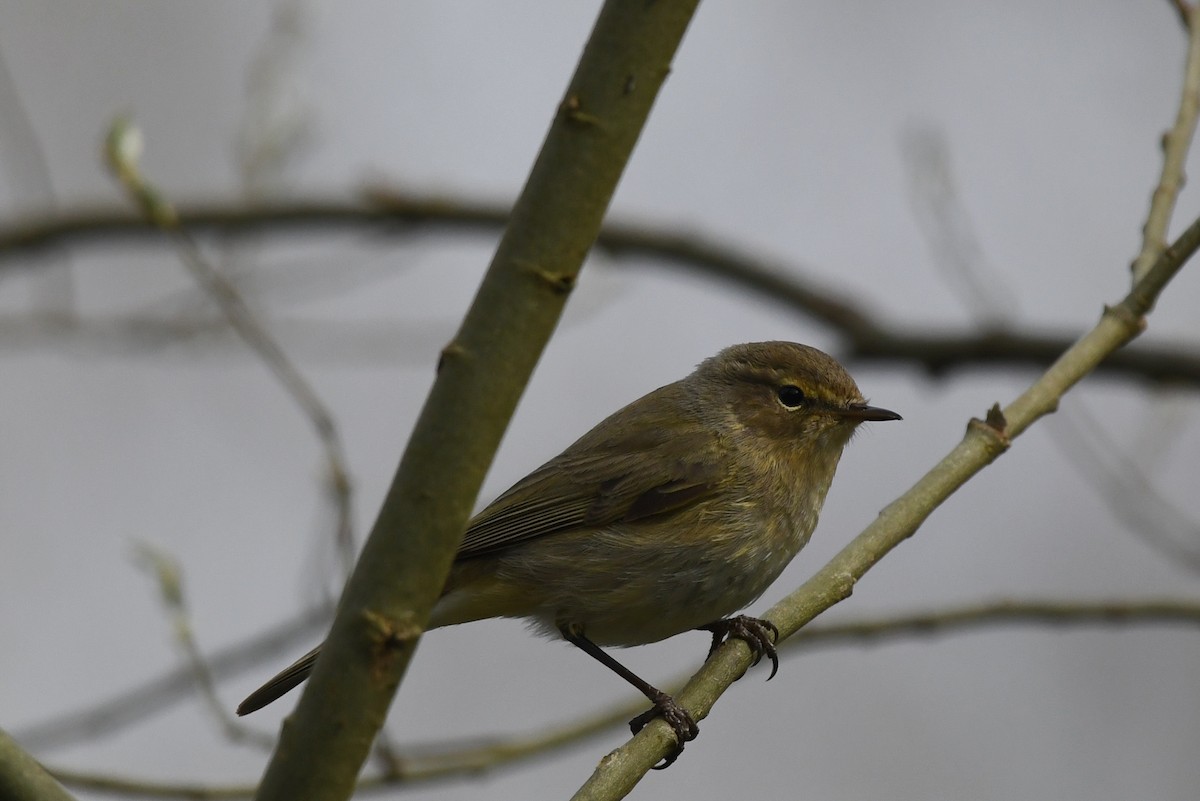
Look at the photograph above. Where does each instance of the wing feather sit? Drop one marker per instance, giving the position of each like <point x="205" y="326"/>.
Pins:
<point x="634" y="465"/>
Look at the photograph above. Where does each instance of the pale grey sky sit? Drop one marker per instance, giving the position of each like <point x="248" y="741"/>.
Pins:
<point x="781" y="130"/>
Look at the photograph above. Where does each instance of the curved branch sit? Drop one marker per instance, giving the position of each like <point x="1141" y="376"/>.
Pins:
<point x="984" y="442"/>
<point x="866" y="336"/>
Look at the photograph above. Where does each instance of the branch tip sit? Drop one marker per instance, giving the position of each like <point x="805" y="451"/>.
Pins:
<point x="995" y="418"/>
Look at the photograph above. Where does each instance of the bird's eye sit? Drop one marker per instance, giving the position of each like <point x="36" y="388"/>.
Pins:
<point x="790" y="396"/>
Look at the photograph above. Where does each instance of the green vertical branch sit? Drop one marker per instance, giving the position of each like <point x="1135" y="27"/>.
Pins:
<point x="480" y="379"/>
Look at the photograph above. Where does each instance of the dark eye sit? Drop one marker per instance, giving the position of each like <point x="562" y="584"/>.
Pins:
<point x="790" y="396"/>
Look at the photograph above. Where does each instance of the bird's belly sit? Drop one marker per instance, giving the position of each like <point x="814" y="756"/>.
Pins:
<point x="679" y="601"/>
<point x="631" y="588"/>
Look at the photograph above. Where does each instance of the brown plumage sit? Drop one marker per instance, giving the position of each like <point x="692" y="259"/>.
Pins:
<point x="671" y="514"/>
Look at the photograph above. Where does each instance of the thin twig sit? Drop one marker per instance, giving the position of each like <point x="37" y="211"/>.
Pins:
<point x="123" y="150"/>
<point x="277" y="126"/>
<point x="1175" y="144"/>
<point x="984" y="442"/>
<point x="985" y="614"/>
<point x="137" y="703"/>
<point x="1122" y="486"/>
<point x="169" y="577"/>
<point x="346" y="342"/>
<point x="948" y="231"/>
<point x="437" y="765"/>
<point x="459" y="761"/>
<point x="1184" y="11"/>
<point x="23" y="156"/>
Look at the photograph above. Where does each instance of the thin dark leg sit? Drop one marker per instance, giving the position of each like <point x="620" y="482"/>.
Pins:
<point x="678" y="718"/>
<point x="760" y="635"/>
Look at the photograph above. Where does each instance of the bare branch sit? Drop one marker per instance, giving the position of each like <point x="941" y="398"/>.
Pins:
<point x="28" y="170"/>
<point x="1122" y="486"/>
<point x="984" y="442"/>
<point x="462" y="761"/>
<point x="948" y="231"/>
<point x="481" y="375"/>
<point x="123" y="151"/>
<point x="1184" y="11"/>
<point x="866" y="335"/>
<point x="169" y="577"/>
<point x="1175" y="144"/>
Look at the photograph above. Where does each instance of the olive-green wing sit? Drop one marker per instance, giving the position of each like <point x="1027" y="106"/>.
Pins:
<point x="630" y="467"/>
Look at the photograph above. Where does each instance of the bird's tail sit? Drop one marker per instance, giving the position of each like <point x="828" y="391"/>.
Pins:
<point x="283" y="681"/>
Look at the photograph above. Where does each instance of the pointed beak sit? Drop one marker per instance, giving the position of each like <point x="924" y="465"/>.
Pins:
<point x="861" y="411"/>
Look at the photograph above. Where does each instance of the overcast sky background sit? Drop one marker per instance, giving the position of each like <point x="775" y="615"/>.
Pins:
<point x="782" y="130"/>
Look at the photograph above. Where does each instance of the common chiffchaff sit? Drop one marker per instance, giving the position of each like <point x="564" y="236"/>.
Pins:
<point x="670" y="515"/>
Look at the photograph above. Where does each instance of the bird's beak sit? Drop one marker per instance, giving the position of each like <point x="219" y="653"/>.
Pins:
<point x="861" y="411"/>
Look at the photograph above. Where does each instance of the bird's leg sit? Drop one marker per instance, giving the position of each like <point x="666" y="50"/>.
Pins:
<point x="678" y="718"/>
<point x="760" y="635"/>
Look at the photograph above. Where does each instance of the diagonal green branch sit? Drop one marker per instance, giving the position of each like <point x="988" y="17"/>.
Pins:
<point x="985" y="440"/>
<point x="481" y="375"/>
<point x="22" y="778"/>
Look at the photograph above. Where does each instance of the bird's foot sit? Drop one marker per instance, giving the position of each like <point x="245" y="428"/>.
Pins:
<point x="678" y="718"/>
<point x="760" y="635"/>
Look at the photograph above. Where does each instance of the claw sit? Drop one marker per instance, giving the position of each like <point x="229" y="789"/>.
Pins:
<point x="760" y="635"/>
<point x="678" y="718"/>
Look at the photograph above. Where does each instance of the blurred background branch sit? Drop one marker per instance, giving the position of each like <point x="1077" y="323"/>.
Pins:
<point x="420" y="764"/>
<point x="864" y="333"/>
<point x="999" y="238"/>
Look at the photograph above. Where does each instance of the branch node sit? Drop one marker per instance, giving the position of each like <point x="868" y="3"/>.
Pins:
<point x="560" y="283"/>
<point x="843" y="585"/>
<point x="994" y="429"/>
<point x="389" y="636"/>
<point x="572" y="108"/>
<point x="1122" y="314"/>
<point x="451" y="351"/>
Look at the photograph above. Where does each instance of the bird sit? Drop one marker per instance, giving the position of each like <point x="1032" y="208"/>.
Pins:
<point x="670" y="515"/>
